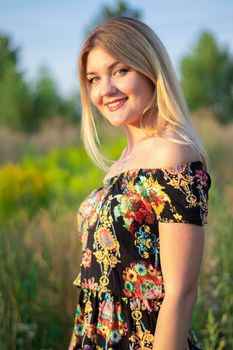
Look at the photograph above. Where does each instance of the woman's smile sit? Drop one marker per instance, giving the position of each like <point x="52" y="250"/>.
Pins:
<point x="116" y="104"/>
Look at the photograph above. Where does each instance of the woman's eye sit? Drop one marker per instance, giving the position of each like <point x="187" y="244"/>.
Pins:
<point x="93" y="80"/>
<point x="121" y="71"/>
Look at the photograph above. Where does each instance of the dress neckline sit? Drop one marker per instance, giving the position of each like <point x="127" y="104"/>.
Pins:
<point x="124" y="172"/>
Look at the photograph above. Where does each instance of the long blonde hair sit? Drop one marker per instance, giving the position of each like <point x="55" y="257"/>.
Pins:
<point x="133" y="43"/>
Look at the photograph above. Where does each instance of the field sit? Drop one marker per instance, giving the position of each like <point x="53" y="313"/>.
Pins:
<point x="43" y="178"/>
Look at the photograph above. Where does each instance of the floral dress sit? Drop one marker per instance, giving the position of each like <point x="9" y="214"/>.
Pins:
<point x="121" y="280"/>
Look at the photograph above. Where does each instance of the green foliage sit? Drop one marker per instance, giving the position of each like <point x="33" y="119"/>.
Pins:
<point x="25" y="106"/>
<point x="47" y="102"/>
<point x="58" y="180"/>
<point x="68" y="169"/>
<point x="214" y="310"/>
<point x="212" y="339"/>
<point x="8" y="54"/>
<point x="207" y="77"/>
<point x="46" y="99"/>
<point x="120" y="9"/>
<point x="70" y="108"/>
<point x="36" y="299"/>
<point x="22" y="189"/>
<point x="15" y="101"/>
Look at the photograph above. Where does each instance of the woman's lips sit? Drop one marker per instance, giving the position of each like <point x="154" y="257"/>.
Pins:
<point x="113" y="106"/>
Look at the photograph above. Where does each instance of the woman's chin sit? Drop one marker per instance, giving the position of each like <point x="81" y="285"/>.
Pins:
<point x="116" y="121"/>
<point x="122" y="122"/>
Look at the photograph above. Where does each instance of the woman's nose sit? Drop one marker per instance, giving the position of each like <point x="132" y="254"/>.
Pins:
<point x="107" y="87"/>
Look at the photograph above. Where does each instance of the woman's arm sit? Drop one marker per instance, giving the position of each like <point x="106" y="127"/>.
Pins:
<point x="181" y="250"/>
<point x="71" y="343"/>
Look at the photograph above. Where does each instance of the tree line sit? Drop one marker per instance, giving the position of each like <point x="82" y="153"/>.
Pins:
<point x="23" y="105"/>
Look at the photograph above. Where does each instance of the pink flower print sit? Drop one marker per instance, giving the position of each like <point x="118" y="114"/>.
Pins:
<point x="90" y="284"/>
<point x="86" y="261"/>
<point x="106" y="310"/>
<point x="201" y="177"/>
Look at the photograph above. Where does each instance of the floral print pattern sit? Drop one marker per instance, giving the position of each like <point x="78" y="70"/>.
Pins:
<point x="143" y="281"/>
<point x="86" y="261"/>
<point x="146" y="242"/>
<point x="121" y="281"/>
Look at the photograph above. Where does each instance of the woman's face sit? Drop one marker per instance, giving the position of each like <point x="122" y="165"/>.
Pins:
<point x="119" y="92"/>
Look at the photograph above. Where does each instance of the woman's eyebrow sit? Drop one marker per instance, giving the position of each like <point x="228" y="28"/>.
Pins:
<point x="109" y="68"/>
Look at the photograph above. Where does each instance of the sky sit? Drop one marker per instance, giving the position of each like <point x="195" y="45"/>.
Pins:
<point x="50" y="32"/>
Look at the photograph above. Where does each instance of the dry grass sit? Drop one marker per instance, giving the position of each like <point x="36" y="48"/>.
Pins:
<point x="53" y="134"/>
<point x="40" y="258"/>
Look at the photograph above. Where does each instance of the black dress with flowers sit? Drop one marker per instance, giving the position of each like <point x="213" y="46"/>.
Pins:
<point x="121" y="279"/>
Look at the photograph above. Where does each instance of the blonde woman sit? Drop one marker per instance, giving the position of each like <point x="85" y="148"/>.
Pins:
<point x="142" y="229"/>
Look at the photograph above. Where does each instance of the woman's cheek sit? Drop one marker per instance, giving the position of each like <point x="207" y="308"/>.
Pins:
<point x="94" y="98"/>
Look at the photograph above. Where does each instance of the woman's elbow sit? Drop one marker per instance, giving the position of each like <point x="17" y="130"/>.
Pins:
<point x="183" y="294"/>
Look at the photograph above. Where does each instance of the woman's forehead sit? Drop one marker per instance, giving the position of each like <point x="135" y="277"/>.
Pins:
<point x="99" y="59"/>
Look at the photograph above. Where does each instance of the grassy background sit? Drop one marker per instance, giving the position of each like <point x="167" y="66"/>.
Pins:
<point x="43" y="179"/>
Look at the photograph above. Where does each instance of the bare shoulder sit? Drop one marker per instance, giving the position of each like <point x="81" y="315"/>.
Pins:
<point x="168" y="153"/>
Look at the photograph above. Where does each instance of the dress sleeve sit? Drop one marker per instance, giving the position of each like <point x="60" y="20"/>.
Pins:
<point x="180" y="193"/>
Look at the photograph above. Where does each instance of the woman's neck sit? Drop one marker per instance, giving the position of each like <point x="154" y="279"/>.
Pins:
<point x="134" y="136"/>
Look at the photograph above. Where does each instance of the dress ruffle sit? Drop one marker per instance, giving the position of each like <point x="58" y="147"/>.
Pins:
<point x="104" y="321"/>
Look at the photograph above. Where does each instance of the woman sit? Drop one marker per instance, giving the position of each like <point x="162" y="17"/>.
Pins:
<point x="142" y="230"/>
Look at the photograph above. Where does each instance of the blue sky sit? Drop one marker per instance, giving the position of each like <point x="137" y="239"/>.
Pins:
<point x="50" y="32"/>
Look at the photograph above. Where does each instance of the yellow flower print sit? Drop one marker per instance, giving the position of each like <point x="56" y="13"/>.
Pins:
<point x="104" y="329"/>
<point x="146" y="228"/>
<point x="145" y="255"/>
<point x="77" y="281"/>
<point x="178" y="216"/>
<point x="158" y="208"/>
<point x="130" y="186"/>
<point x="174" y="183"/>
<point x="148" y="243"/>
<point x="147" y="340"/>
<point x="152" y="271"/>
<point x="131" y="275"/>
<point x="113" y="260"/>
<point x="88" y="307"/>
<point x="156" y="194"/>
<point x="99" y="255"/>
<point x="91" y="331"/>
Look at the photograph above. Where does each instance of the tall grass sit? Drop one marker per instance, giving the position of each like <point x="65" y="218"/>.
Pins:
<point x="39" y="258"/>
<point x="40" y="250"/>
<point x="214" y="310"/>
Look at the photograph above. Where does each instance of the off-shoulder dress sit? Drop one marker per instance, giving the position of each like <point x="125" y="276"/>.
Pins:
<point x="120" y="275"/>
